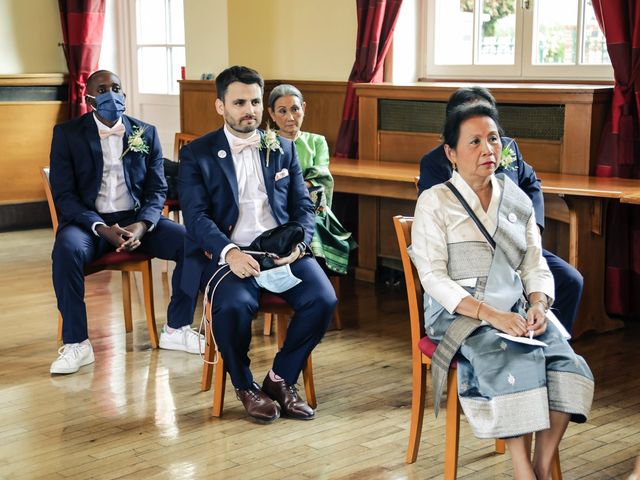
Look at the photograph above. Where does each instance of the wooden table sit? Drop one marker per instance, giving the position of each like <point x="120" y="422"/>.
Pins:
<point x="586" y="199"/>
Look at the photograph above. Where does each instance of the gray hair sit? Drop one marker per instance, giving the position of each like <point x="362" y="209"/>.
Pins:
<point x="283" y="90"/>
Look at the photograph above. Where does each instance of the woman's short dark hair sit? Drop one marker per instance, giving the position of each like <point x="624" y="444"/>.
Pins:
<point x="459" y="115"/>
<point x="467" y="95"/>
<point x="283" y="90"/>
<point x="237" y="73"/>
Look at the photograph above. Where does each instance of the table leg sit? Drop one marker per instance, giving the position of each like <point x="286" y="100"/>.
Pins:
<point x="367" y="238"/>
<point x="587" y="253"/>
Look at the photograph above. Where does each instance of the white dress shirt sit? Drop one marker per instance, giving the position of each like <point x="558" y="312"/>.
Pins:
<point x="114" y="195"/>
<point x="440" y="219"/>
<point x="255" y="215"/>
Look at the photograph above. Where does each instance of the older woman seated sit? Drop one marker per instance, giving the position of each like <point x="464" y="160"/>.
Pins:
<point x="331" y="242"/>
<point x="473" y="280"/>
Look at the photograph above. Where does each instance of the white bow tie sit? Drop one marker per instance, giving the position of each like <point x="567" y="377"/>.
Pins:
<point x="239" y="144"/>
<point x="117" y="131"/>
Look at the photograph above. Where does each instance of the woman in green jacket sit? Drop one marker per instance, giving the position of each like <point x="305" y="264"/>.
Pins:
<point x="331" y="241"/>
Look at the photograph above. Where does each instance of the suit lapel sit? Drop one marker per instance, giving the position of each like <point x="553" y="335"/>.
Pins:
<point x="268" y="172"/>
<point x="93" y="139"/>
<point x="222" y="155"/>
<point x="126" y="159"/>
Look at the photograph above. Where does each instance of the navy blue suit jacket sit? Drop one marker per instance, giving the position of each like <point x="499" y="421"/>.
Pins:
<point x="208" y="190"/>
<point x="77" y="165"/>
<point x="435" y="168"/>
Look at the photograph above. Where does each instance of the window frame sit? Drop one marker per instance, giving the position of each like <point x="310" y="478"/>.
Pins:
<point x="168" y="46"/>
<point x="523" y="67"/>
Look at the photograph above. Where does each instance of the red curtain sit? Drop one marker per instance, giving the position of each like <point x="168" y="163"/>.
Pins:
<point x="619" y="153"/>
<point x="82" y="25"/>
<point x="376" y="21"/>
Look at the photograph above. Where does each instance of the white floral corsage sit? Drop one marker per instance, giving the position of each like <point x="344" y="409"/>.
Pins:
<point x="508" y="158"/>
<point x="135" y="142"/>
<point x="270" y="142"/>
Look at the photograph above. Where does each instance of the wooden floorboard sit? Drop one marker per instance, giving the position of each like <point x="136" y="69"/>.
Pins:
<point x="138" y="413"/>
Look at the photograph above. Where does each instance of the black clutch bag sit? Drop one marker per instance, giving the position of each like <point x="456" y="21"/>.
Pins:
<point x="275" y="243"/>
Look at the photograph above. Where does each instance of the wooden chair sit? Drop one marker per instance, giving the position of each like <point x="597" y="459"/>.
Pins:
<point x="172" y="206"/>
<point x="180" y="140"/>
<point x="422" y="348"/>
<point x="271" y="304"/>
<point x="125" y="262"/>
<point x="337" y="320"/>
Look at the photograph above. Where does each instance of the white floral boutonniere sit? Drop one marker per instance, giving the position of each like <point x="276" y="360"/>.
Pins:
<point x="135" y="142"/>
<point x="508" y="158"/>
<point x="270" y="142"/>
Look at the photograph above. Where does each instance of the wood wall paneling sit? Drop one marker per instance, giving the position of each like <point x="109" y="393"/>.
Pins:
<point x="26" y="128"/>
<point x="585" y="110"/>
<point x="405" y="146"/>
<point x="368" y="142"/>
<point x="542" y="155"/>
<point x="325" y="101"/>
<point x="197" y="107"/>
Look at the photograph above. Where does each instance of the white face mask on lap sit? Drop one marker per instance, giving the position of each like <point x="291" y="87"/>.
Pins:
<point x="277" y="280"/>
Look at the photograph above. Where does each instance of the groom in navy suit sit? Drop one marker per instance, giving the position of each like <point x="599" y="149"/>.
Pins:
<point x="435" y="168"/>
<point x="108" y="185"/>
<point x="235" y="184"/>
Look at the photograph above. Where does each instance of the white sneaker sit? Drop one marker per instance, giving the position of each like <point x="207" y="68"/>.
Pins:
<point x="72" y="357"/>
<point x="185" y="339"/>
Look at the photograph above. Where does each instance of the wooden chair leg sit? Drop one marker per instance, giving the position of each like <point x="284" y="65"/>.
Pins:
<point x="219" y="387"/>
<point x="417" y="410"/>
<point x="282" y="322"/>
<point x="337" y="320"/>
<point x="500" y="446"/>
<point x="556" y="471"/>
<point x="59" y="327"/>
<point x="452" y="435"/>
<point x="309" y="387"/>
<point x="268" y="322"/>
<point x="207" y="366"/>
<point x="147" y="288"/>
<point x="126" y="301"/>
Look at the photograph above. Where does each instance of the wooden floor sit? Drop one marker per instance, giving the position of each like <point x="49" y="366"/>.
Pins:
<point x="138" y="413"/>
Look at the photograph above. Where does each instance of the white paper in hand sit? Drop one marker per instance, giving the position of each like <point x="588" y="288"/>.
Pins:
<point x="525" y="340"/>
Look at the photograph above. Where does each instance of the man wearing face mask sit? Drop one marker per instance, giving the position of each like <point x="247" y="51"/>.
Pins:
<point x="108" y="184"/>
<point x="235" y="184"/>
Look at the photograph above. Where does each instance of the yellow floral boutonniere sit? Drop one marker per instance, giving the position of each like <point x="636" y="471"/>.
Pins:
<point x="508" y="158"/>
<point x="270" y="142"/>
<point x="135" y="142"/>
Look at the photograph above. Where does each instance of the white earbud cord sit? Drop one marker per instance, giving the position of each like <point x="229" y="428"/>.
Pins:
<point x="203" y="320"/>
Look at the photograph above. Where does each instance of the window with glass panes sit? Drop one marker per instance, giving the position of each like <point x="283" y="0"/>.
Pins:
<point x="160" y="45"/>
<point x="514" y="38"/>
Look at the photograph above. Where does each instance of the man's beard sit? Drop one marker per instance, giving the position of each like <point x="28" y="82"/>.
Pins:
<point x="238" y="127"/>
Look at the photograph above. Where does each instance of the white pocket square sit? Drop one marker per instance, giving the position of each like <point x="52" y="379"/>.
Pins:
<point x="281" y="174"/>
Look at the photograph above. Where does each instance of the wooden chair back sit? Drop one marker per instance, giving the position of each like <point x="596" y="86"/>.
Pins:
<point x="181" y="139"/>
<point x="403" y="226"/>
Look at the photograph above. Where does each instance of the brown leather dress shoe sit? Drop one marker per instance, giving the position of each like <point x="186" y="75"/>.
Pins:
<point x="287" y="396"/>
<point x="258" y="405"/>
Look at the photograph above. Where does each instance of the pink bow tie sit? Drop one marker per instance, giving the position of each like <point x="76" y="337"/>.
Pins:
<point x="240" y="144"/>
<point x="117" y="131"/>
